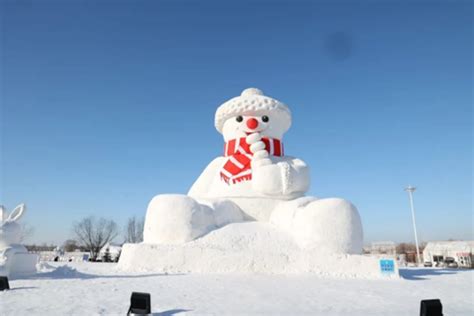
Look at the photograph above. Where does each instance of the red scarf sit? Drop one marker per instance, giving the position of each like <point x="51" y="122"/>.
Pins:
<point x="237" y="168"/>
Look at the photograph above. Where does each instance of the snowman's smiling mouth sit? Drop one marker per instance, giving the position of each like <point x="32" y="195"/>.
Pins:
<point x="253" y="132"/>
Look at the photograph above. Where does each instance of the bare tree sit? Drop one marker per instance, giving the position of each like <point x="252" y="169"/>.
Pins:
<point x="95" y="234"/>
<point x="40" y="248"/>
<point x="134" y="230"/>
<point x="409" y="247"/>
<point x="70" y="245"/>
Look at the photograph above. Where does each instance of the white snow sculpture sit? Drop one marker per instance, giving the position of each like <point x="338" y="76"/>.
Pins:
<point x="14" y="257"/>
<point x="255" y="181"/>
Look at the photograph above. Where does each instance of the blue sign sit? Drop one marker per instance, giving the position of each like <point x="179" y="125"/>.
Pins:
<point x="387" y="266"/>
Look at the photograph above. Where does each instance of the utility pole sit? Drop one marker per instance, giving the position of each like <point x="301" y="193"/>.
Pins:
<point x="410" y="191"/>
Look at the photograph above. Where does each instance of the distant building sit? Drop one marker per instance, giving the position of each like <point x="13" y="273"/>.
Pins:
<point x="461" y="251"/>
<point x="383" y="247"/>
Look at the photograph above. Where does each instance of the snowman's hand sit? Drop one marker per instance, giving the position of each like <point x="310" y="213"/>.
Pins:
<point x="257" y="147"/>
<point x="253" y="138"/>
<point x="260" y="155"/>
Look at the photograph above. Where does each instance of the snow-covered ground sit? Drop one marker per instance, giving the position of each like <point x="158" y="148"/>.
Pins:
<point x="97" y="288"/>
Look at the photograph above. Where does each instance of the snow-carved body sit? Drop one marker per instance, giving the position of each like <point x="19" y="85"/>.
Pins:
<point x="255" y="181"/>
<point x="14" y="257"/>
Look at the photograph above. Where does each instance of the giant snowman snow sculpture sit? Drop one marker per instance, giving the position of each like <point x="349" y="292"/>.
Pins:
<point x="14" y="257"/>
<point x="255" y="181"/>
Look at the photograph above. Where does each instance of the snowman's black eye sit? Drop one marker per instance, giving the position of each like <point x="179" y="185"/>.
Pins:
<point x="239" y="118"/>
<point x="265" y="119"/>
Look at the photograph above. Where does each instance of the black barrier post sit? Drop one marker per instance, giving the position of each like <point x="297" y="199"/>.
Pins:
<point x="4" y="283"/>
<point x="140" y="304"/>
<point x="431" y="308"/>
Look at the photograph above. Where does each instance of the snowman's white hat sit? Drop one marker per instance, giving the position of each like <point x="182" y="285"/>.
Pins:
<point x="251" y="102"/>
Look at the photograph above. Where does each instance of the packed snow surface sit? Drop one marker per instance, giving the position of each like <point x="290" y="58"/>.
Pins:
<point x="99" y="289"/>
<point x="246" y="247"/>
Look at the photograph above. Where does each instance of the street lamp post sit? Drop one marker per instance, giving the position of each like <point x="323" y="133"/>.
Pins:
<point x="410" y="191"/>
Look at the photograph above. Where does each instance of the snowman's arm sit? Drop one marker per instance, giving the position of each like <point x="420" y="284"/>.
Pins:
<point x="289" y="177"/>
<point x="201" y="186"/>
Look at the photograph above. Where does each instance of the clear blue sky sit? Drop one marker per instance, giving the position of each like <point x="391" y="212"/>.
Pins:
<point x="108" y="103"/>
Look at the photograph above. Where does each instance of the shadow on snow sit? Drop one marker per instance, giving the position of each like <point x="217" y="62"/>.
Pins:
<point x="424" y="274"/>
<point x="66" y="272"/>
<point x="171" y="312"/>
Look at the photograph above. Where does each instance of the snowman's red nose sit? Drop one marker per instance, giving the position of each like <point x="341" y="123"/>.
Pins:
<point x="252" y="123"/>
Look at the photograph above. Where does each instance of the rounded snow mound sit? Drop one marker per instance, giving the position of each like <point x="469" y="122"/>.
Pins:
<point x="253" y="247"/>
